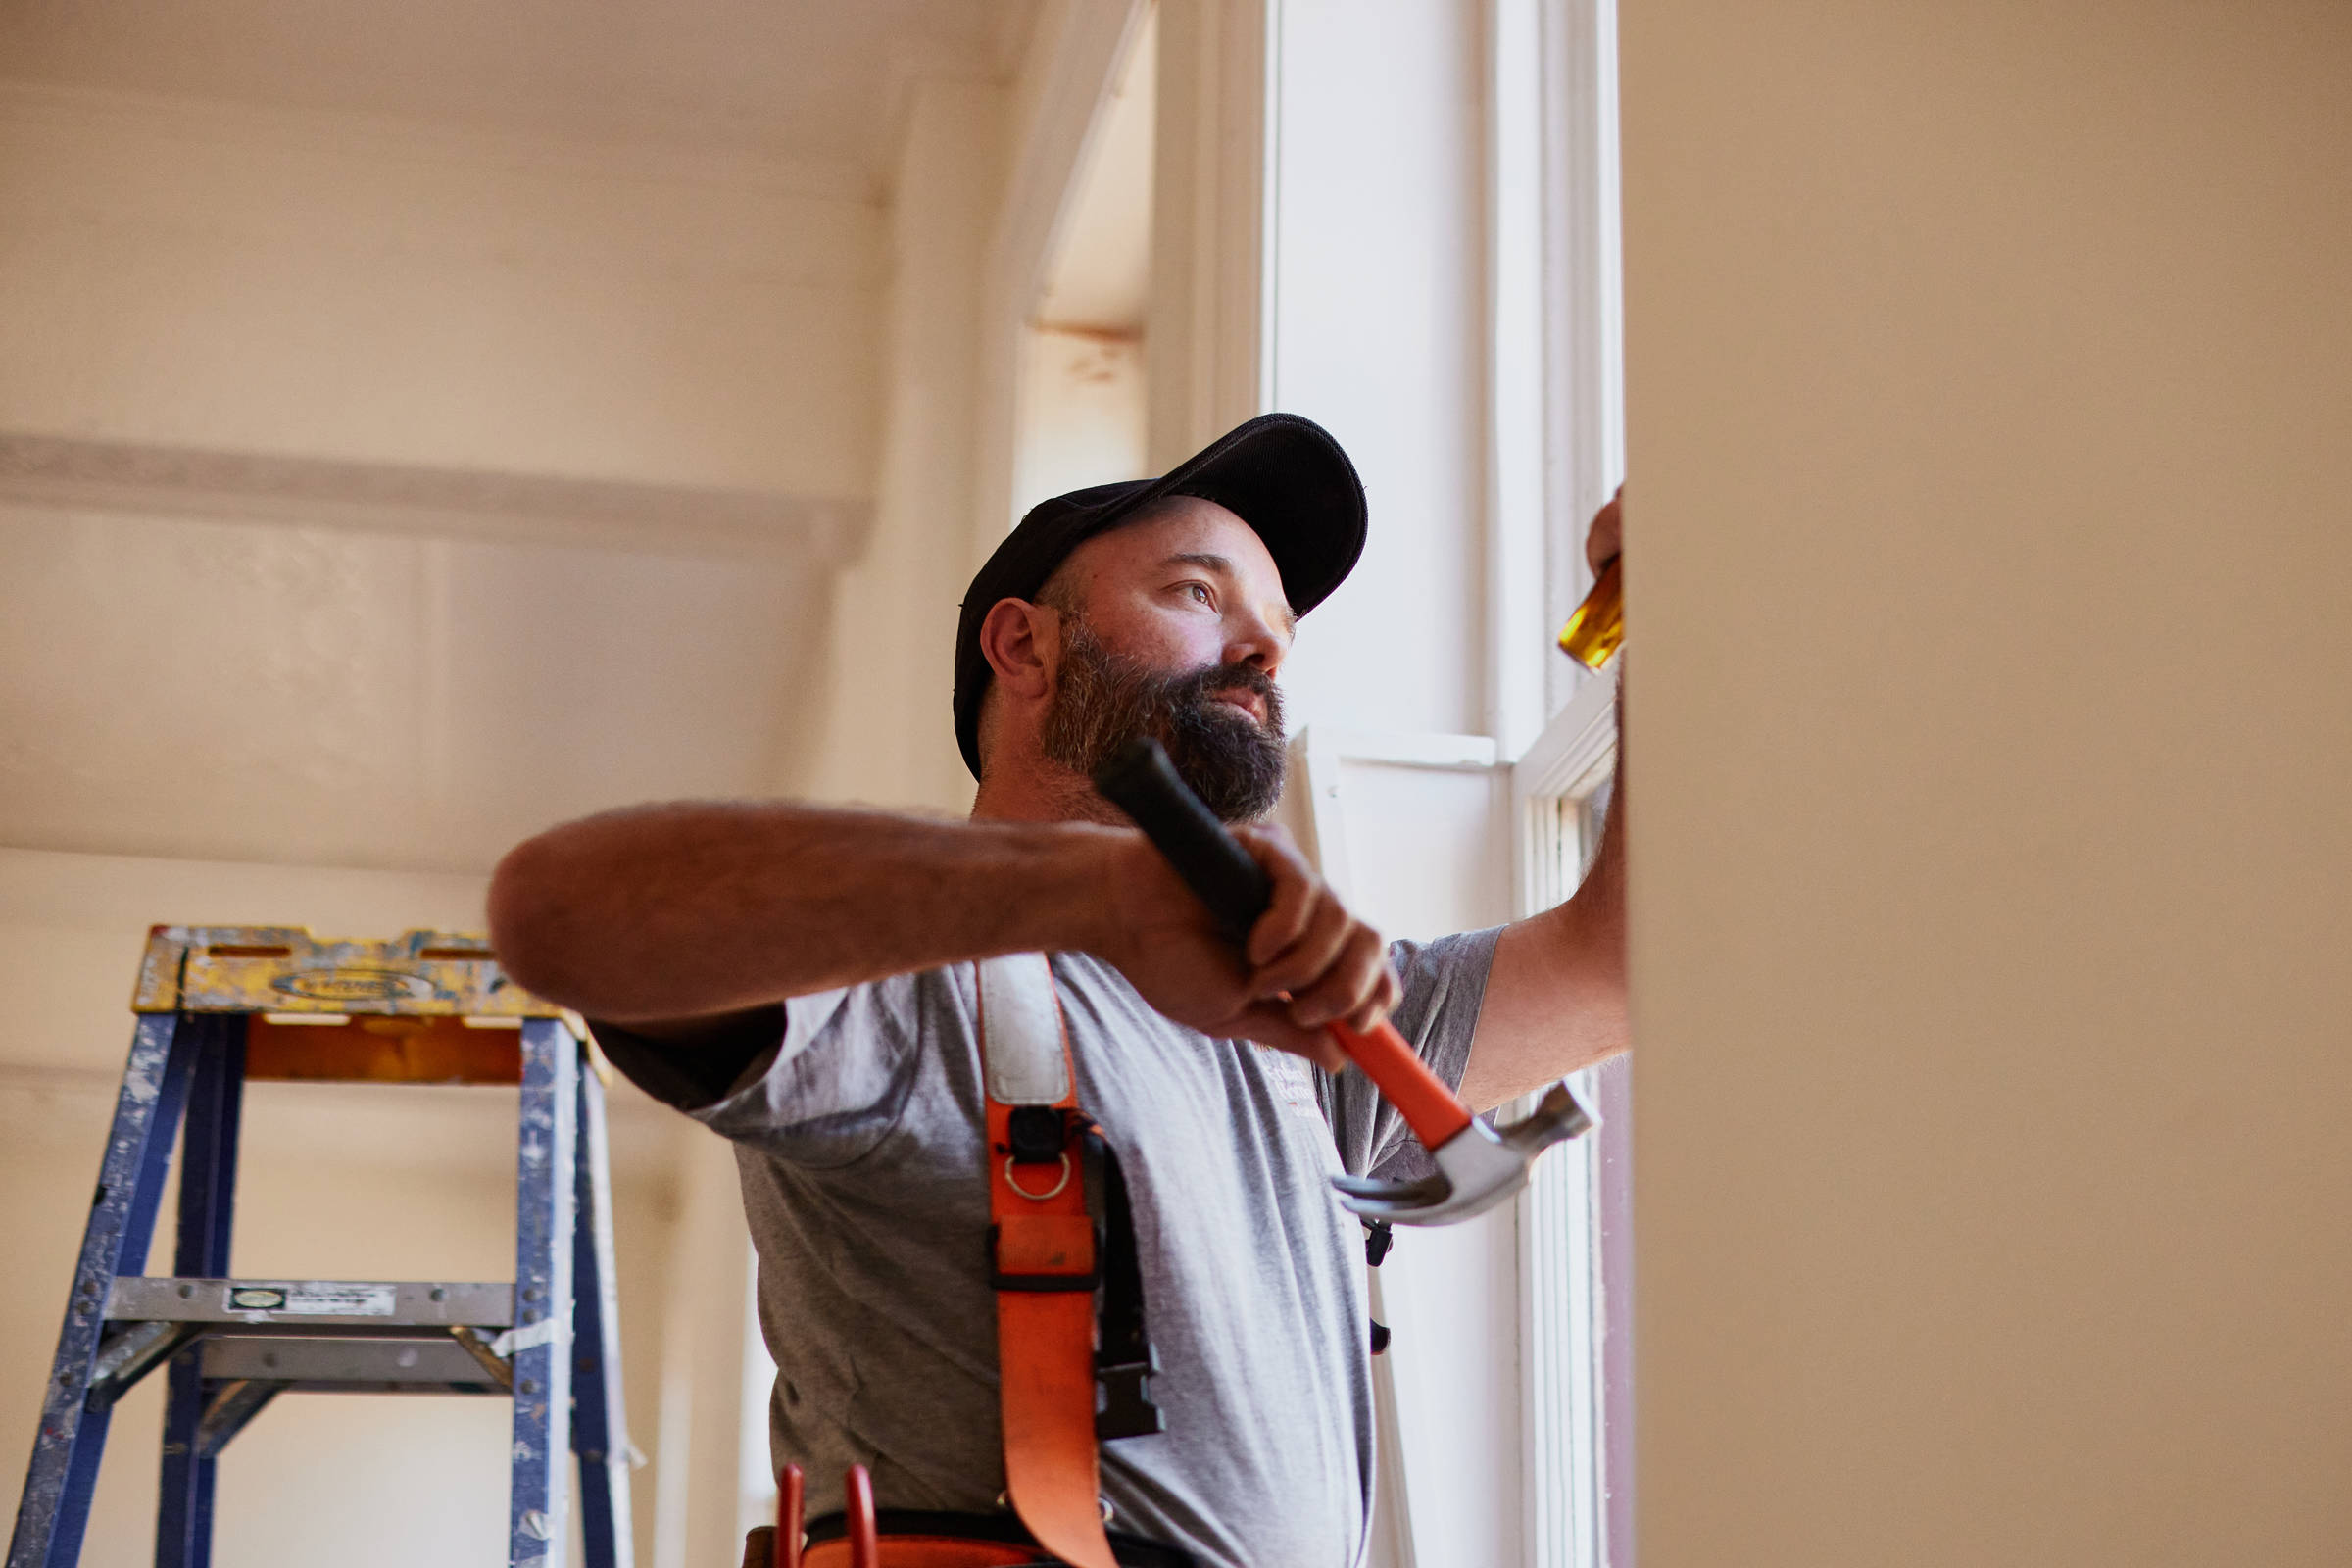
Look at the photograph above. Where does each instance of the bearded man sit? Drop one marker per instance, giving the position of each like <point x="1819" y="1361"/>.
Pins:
<point x="803" y="981"/>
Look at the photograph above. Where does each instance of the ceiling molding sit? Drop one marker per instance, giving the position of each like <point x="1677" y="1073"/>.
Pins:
<point x="1071" y="72"/>
<point x="1078" y="72"/>
<point x="913" y="66"/>
<point x="355" y="134"/>
<point x="63" y="471"/>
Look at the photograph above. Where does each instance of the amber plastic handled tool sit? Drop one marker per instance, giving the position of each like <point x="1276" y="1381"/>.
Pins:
<point x="1596" y="630"/>
<point x="1478" y="1167"/>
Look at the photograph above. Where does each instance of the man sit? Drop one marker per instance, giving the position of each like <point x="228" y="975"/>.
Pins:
<point x="801" y="980"/>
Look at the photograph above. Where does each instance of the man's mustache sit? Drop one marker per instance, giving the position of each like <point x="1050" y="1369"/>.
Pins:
<point x="1204" y="684"/>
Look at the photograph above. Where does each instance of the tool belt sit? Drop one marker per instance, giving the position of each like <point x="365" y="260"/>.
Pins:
<point x="910" y="1538"/>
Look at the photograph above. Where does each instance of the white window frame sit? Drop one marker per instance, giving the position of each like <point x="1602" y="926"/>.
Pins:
<point x="1557" y="453"/>
<point x="1566" y="1381"/>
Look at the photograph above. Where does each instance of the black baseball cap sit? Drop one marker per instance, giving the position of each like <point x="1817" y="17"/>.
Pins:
<point x="1282" y="474"/>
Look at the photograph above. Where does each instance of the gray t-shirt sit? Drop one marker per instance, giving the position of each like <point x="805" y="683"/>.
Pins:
<point x="860" y="1143"/>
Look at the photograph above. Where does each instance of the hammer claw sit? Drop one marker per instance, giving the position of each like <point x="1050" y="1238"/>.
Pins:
<point x="1478" y="1167"/>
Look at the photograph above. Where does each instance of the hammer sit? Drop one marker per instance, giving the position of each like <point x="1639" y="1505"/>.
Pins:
<point x="1478" y="1167"/>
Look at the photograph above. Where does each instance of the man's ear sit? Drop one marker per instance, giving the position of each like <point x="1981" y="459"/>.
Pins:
<point x="1019" y="647"/>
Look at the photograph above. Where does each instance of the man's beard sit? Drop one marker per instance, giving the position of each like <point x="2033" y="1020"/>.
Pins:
<point x="1103" y="700"/>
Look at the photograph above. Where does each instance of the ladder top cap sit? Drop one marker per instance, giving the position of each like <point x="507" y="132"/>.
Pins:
<point x="285" y="970"/>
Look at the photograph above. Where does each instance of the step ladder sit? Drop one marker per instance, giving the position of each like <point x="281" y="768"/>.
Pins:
<point x="221" y="1005"/>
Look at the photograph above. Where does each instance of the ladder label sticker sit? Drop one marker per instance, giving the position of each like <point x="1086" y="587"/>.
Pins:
<point x="356" y="983"/>
<point x="316" y="1300"/>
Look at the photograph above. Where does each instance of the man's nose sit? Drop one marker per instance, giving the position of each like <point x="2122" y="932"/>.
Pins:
<point x="1256" y="642"/>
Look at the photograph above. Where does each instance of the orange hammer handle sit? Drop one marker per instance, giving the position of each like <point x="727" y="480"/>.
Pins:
<point x="1142" y="782"/>
<point x="1430" y="1108"/>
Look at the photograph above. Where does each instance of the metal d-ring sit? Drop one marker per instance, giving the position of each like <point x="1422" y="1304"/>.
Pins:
<point x="1052" y="1191"/>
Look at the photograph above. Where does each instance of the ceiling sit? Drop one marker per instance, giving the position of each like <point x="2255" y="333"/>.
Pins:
<point x="805" y="79"/>
<point x="210" y="683"/>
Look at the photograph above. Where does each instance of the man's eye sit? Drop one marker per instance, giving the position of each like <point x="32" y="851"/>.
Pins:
<point x="1200" y="592"/>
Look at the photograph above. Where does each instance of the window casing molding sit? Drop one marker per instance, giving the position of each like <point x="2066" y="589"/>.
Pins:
<point x="1556" y="281"/>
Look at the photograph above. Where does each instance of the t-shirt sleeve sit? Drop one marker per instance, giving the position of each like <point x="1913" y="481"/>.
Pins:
<point x="1444" y="984"/>
<point x="689" y="1077"/>
<point x="822" y="1093"/>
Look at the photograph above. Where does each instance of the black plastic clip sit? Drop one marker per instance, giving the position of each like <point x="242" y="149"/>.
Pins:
<point x="1128" y="1409"/>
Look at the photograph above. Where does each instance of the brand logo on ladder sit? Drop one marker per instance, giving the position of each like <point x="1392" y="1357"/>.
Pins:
<point x="356" y="985"/>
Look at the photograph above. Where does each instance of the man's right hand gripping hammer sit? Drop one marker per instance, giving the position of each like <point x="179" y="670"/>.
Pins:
<point x="1478" y="1167"/>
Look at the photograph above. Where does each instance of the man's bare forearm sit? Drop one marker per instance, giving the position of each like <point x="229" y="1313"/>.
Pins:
<point x="1556" y="995"/>
<point x="685" y="910"/>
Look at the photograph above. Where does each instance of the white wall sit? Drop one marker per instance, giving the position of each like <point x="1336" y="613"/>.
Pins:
<point x="1987" y="378"/>
<point x="885" y="735"/>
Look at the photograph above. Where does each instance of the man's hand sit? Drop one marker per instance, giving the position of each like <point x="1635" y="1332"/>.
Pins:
<point x="1607" y="536"/>
<point x="1307" y="962"/>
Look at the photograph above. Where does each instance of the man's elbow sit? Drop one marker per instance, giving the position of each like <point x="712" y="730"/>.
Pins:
<point x="533" y="922"/>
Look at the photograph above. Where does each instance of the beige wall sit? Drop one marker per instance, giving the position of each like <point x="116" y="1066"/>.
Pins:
<point x="1989" y="374"/>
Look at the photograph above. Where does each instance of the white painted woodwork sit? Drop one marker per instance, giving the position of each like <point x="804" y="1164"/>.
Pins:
<point x="1209" y="187"/>
<point x="1058" y="113"/>
<point x="1083" y="413"/>
<point x="1099" y="277"/>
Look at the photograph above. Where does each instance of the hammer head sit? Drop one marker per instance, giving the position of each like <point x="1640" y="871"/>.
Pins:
<point x="1478" y="1167"/>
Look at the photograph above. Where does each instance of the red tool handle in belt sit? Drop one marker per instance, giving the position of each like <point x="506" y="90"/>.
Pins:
<point x="1141" y="782"/>
<point x="791" y="1488"/>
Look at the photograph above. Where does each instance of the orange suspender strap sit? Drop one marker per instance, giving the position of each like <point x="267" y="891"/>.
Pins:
<point x="1042" y="1260"/>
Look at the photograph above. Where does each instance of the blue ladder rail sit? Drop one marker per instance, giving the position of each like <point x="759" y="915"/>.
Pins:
<point x="551" y="1340"/>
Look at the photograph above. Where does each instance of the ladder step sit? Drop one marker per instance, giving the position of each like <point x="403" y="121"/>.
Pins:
<point x="349" y="1307"/>
<point x="315" y="1364"/>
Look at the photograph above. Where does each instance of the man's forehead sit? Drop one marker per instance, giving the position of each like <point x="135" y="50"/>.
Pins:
<point x="1182" y="530"/>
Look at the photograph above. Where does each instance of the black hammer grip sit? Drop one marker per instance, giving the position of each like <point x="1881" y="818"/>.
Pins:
<point x="1142" y="783"/>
